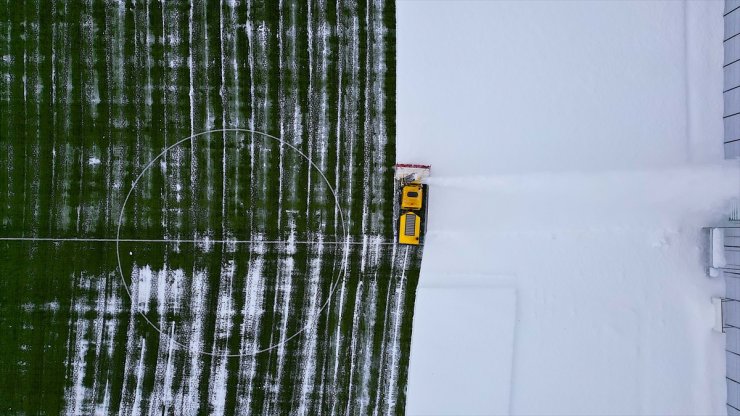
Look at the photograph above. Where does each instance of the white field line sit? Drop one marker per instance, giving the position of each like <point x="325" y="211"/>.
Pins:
<point x="177" y="241"/>
<point x="207" y="240"/>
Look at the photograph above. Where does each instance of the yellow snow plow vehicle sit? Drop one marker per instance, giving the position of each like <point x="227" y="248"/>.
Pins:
<point x="413" y="202"/>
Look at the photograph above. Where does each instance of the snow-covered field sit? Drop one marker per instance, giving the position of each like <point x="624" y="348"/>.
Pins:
<point x="576" y="150"/>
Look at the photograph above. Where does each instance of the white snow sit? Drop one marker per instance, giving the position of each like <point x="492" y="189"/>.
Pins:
<point x="143" y="276"/>
<point x="136" y="406"/>
<point x="455" y="386"/>
<point x="308" y="349"/>
<point x="188" y="396"/>
<point x="224" y="323"/>
<point x="576" y="147"/>
<point x="252" y="311"/>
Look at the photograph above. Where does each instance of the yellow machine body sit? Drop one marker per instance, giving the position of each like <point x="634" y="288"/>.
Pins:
<point x="409" y="228"/>
<point x="412" y="197"/>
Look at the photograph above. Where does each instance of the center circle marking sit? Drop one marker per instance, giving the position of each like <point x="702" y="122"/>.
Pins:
<point x="332" y="288"/>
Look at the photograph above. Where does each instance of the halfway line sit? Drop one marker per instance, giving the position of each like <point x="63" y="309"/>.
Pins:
<point x="144" y="240"/>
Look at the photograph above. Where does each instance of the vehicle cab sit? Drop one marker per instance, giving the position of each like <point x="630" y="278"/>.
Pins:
<point x="412" y="197"/>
